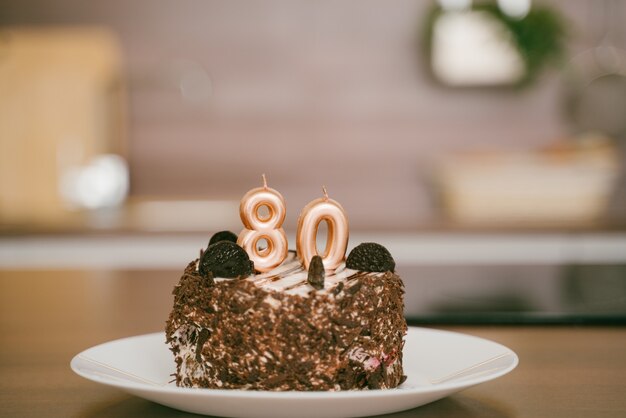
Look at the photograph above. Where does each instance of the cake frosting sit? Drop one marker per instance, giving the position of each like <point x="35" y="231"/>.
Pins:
<point x="291" y="278"/>
<point x="275" y="331"/>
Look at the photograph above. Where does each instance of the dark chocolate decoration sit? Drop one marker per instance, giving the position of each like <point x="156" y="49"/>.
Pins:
<point x="354" y="288"/>
<point x="370" y="257"/>
<point x="338" y="288"/>
<point x="225" y="259"/>
<point x="223" y="236"/>
<point x="316" y="272"/>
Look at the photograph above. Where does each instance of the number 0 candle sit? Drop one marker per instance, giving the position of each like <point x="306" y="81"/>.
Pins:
<point x="329" y="210"/>
<point x="258" y="227"/>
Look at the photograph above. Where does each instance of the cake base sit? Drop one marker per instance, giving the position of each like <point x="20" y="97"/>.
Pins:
<point x="233" y="334"/>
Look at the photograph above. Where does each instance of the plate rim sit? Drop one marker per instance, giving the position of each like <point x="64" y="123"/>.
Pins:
<point x="292" y="395"/>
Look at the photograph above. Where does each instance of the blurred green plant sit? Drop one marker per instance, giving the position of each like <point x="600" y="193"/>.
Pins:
<point x="539" y="37"/>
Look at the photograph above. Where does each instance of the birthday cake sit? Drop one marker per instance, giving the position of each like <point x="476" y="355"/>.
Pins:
<point x="300" y="325"/>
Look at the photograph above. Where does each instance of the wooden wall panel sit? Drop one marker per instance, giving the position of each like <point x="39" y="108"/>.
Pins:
<point x="309" y="92"/>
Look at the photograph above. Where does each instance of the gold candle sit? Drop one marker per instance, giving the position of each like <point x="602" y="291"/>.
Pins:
<point x="329" y="210"/>
<point x="258" y="227"/>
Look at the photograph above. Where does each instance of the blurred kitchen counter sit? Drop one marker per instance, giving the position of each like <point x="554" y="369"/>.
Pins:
<point x="48" y="316"/>
<point x="165" y="233"/>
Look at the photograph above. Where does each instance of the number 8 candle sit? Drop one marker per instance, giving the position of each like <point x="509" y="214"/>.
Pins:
<point x="269" y="228"/>
<point x="329" y="210"/>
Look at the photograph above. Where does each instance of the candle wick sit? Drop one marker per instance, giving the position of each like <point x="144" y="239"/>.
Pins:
<point x="325" y="192"/>
<point x="264" y="181"/>
<point x="199" y="259"/>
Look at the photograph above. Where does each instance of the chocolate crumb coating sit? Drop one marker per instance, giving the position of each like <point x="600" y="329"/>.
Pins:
<point x="233" y="334"/>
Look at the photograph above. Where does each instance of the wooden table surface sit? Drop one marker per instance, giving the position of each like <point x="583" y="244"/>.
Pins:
<point x="46" y="317"/>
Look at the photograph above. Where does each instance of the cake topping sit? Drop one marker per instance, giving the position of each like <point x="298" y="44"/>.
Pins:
<point x="316" y="272"/>
<point x="259" y="227"/>
<point x="226" y="259"/>
<point x="223" y="236"/>
<point x="320" y="210"/>
<point x="370" y="257"/>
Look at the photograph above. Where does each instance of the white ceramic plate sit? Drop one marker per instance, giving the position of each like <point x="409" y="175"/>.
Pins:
<point x="437" y="363"/>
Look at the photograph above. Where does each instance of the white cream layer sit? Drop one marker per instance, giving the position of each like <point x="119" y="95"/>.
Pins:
<point x="291" y="277"/>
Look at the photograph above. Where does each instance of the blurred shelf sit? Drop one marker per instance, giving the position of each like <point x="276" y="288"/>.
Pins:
<point x="157" y="216"/>
<point x="173" y="251"/>
<point x="166" y="234"/>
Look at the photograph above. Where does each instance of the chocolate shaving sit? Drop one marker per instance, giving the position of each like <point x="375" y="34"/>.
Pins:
<point x="338" y="288"/>
<point x="376" y="379"/>
<point x="252" y="376"/>
<point x="240" y="306"/>
<point x="346" y="322"/>
<point x="275" y="380"/>
<point x="202" y="337"/>
<point x="316" y="272"/>
<point x="354" y="288"/>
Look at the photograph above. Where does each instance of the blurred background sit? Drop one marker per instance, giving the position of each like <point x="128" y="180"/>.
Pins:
<point x="482" y="142"/>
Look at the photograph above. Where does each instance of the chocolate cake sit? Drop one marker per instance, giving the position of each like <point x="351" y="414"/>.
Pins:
<point x="289" y="328"/>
